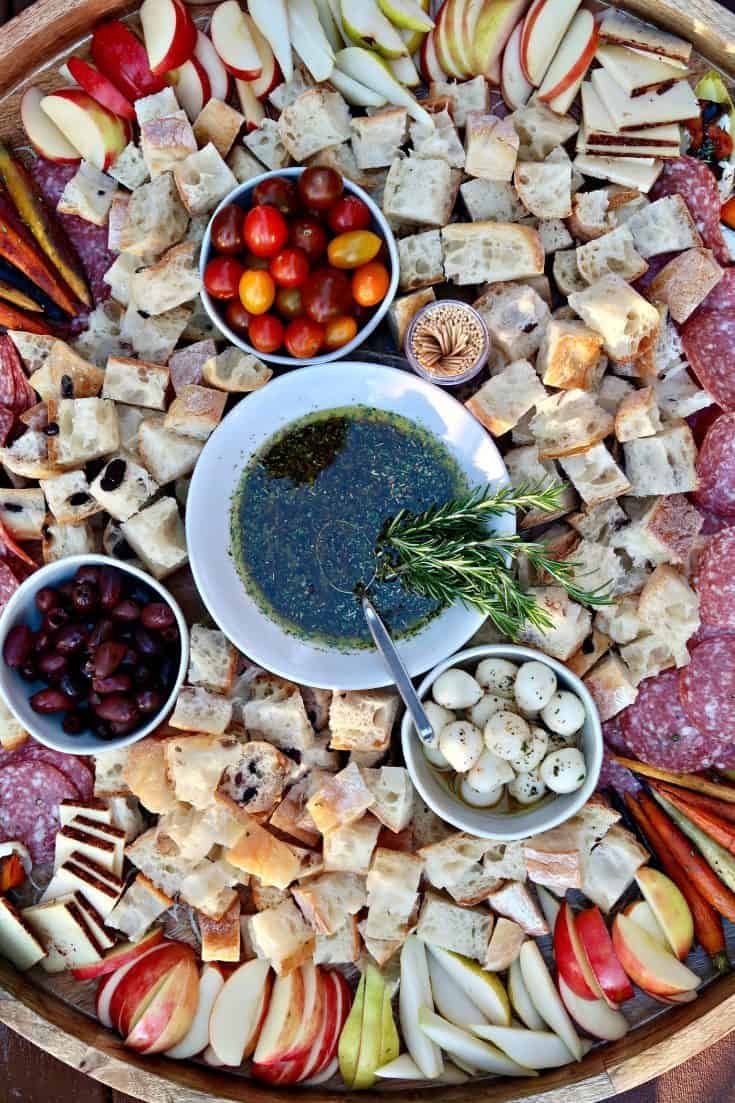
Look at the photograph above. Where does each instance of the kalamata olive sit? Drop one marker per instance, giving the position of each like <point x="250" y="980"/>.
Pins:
<point x="147" y="644"/>
<point x="110" y="587"/>
<point x="94" y="699"/>
<point x="126" y="610"/>
<point x="85" y="596"/>
<point x="50" y="700"/>
<point x="70" y="638"/>
<point x="29" y="671"/>
<point x="41" y="641"/>
<point x="51" y="664"/>
<point x="101" y="633"/>
<point x="131" y="658"/>
<point x="65" y="592"/>
<point x="18" y="645"/>
<point x="88" y="574"/>
<point x="167" y="670"/>
<point x="118" y="708"/>
<point x="115" y="683"/>
<point x="87" y="668"/>
<point x="46" y="599"/>
<point x="124" y="729"/>
<point x="142" y="677"/>
<point x="170" y="634"/>
<point x="157" y="615"/>
<point x="72" y="685"/>
<point x="100" y="727"/>
<point x="55" y="619"/>
<point x="73" y="723"/>
<point x="149" y="700"/>
<point x="108" y="658"/>
<point x="138" y="592"/>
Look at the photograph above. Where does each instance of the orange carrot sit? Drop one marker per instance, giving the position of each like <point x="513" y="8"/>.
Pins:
<point x="721" y="808"/>
<point x="717" y="829"/>
<point x="686" y="781"/>
<point x="12" y="873"/>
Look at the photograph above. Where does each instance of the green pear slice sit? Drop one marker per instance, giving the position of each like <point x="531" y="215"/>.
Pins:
<point x="406" y="14"/>
<point x="484" y="989"/>
<point x="373" y="71"/>
<point x="348" y="1050"/>
<point x="466" y="1047"/>
<point x="450" y="999"/>
<point x="404" y="70"/>
<point x="415" y="994"/>
<point x="413" y="39"/>
<point x="520" y="999"/>
<point x="390" y="1045"/>
<point x="305" y="28"/>
<point x="359" y="95"/>
<point x="366" y="25"/>
<point x="371" y="1030"/>
<point x="538" y="1049"/>
<point x="329" y="24"/>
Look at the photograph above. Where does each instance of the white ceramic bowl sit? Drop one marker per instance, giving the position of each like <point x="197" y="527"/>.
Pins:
<point x="15" y="691"/>
<point x="216" y="478"/>
<point x="483" y="821"/>
<point x="241" y="196"/>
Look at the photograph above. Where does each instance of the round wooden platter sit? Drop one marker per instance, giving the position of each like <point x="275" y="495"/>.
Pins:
<point x="32" y="46"/>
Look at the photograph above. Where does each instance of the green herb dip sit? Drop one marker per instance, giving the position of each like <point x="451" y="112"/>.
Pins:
<point x="309" y="508"/>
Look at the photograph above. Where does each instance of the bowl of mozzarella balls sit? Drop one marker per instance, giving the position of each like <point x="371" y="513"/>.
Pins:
<point x="516" y="745"/>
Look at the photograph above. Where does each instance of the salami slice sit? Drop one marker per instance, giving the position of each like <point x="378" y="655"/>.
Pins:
<point x="715" y="580"/>
<point x="77" y="770"/>
<point x="613" y="735"/>
<point x="7" y="374"/>
<point x="713" y="522"/>
<point x="616" y="777"/>
<point x="716" y="468"/>
<point x="8" y="584"/>
<point x="7" y="421"/>
<point x="707" y="691"/>
<point x="697" y="186"/>
<point x="700" y="422"/>
<point x="708" y="339"/>
<point x="659" y="732"/>
<point x="30" y="793"/>
<point x="722" y="297"/>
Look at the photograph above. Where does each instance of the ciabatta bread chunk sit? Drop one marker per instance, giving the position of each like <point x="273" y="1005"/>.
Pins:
<point x="265" y="143"/>
<point x="235" y="371"/>
<point x="123" y="487"/>
<point x="340" y="800"/>
<point x="439" y="140"/>
<point x="595" y="566"/>
<point x="196" y="411"/>
<point x="170" y="282"/>
<point x="199" y="710"/>
<point x="261" y="854"/>
<point x="362" y="720"/>
<point x="665" y="226"/>
<point x="662" y="464"/>
<point x="463" y="931"/>
<point x="291" y="817"/>
<point x="103" y="335"/>
<point x="570" y="624"/>
<point x="516" y="318"/>
<point x="275" y="711"/>
<point x="288" y="91"/>
<point x="136" y="382"/>
<point x="491" y="201"/>
<point x="221" y="937"/>
<point x="376" y="139"/>
<point x="558" y="858"/>
<point x="637" y="415"/>
<point x="403" y="309"/>
<point x="569" y="356"/>
<point x="594" y="647"/>
<point x="420" y="191"/>
<point x="350" y="848"/>
<point x="612" y="253"/>
<point x="619" y="314"/>
<point x="62" y="541"/>
<point x="256" y="781"/>
<point x="341" y="948"/>
<point x="686" y="281"/>
<point x="166" y="141"/>
<point x="566" y="272"/>
<point x="491" y="147"/>
<point x="544" y="188"/>
<point x="315" y="120"/>
<point x="108" y="773"/>
<point x="186" y="364"/>
<point x="327" y="901"/>
<point x="595" y="475"/>
<point x="156" y="106"/>
<point x="554" y="235"/>
<point x="505" y="398"/>
<point x="611" y="867"/>
<point x="33" y="348"/>
<point x="243" y="165"/>
<point x="23" y="513"/>
<point x="678" y="395"/>
<point x="88" y="429"/>
<point x="448" y="859"/>
<point x="129" y="167"/>
<point x="139" y="907"/>
<point x="88" y="195"/>
<point x="212" y="659"/>
<point x="166" y="454"/>
<point x="219" y="124"/>
<point x="524" y="467"/>
<point x="671" y="525"/>
<point x="611" y="686"/>
<point x="646" y="657"/>
<point x="591" y="215"/>
<point x="421" y="260"/>
<point x="203" y="179"/>
<point x="208" y="887"/>
<point x="119" y="275"/>
<point x="195" y="764"/>
<point x="478" y="252"/>
<point x="394" y="796"/>
<point x="116" y="220"/>
<point x="464" y="97"/>
<point x="612" y="391"/>
<point x="669" y="607"/>
<point x="514" y="901"/>
<point x="569" y="422"/>
<point x="69" y="375"/>
<point x="154" y="338"/>
<point x="156" y="535"/>
<point x="282" y="937"/>
<point x="540" y="130"/>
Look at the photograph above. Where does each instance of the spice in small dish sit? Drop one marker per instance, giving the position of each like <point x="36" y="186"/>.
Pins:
<point x="447" y="342"/>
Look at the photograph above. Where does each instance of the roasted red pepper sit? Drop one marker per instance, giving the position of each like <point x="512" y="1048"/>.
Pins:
<point x="12" y="873"/>
<point x="727" y="213"/>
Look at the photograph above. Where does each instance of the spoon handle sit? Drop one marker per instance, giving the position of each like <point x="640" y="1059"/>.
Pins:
<point x="392" y="660"/>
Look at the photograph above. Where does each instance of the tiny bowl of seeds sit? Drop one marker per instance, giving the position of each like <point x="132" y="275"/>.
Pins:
<point x="94" y="653"/>
<point x="447" y="342"/>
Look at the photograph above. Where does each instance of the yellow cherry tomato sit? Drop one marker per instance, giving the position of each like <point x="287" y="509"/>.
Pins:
<point x="257" y="291"/>
<point x="339" y="331"/>
<point x="370" y="284"/>
<point x="354" y="248"/>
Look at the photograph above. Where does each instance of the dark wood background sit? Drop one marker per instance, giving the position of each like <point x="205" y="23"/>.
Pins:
<point x="29" y="1076"/>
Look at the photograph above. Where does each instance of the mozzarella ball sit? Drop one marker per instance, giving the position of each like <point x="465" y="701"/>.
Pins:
<point x="564" y="713"/>
<point x="434" y="756"/>
<point x="505" y="734"/>
<point x="456" y="689"/>
<point x="438" y="717"/>
<point x="527" y="787"/>
<point x="533" y="750"/>
<point x="564" y="771"/>
<point x="478" y="799"/>
<point x="535" y="686"/>
<point x="461" y="745"/>
<point x="488" y="704"/>
<point x="489" y="771"/>
<point x="497" y="676"/>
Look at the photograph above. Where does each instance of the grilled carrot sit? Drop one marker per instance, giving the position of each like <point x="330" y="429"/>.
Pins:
<point x="685" y="781"/>
<point x="19" y="248"/>
<point x="718" y="829"/>
<point x="721" y="808"/>
<point x="12" y="317"/>
<point x="708" y="928"/>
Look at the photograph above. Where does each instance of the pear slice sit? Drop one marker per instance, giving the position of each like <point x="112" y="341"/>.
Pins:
<point x="305" y="29"/>
<point x="450" y="999"/>
<point x="546" y="999"/>
<point x="359" y="95"/>
<point x="538" y="1049"/>
<point x="371" y="1031"/>
<point x="373" y="71"/>
<point x="366" y="25"/>
<point x="465" y="1046"/>
<point x="271" y="19"/>
<point x="404" y="70"/>
<point x="414" y="995"/>
<point x="413" y="39"/>
<point x="348" y="1050"/>
<point x="329" y="24"/>
<point x="484" y="989"/>
<point x="390" y="1045"/>
<point x="520" y="999"/>
<point x="406" y="14"/>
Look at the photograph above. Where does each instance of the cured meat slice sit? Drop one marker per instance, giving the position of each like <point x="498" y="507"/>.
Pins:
<point x="716" y="468"/>
<point x="659" y="732"/>
<point x="722" y="297"/>
<point x="7" y="421"/>
<point x="713" y="522"/>
<point x="8" y="584"/>
<point x="617" y="777"/>
<point x="694" y="182"/>
<point x="30" y="793"/>
<point x="7" y="373"/>
<point x="709" y="345"/>
<point x="700" y="422"/>
<point x="76" y="769"/>
<point x="613" y="735"/>
<point x="715" y="580"/>
<point x="707" y="691"/>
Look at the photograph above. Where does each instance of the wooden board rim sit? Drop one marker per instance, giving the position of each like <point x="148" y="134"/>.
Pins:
<point x="34" y="39"/>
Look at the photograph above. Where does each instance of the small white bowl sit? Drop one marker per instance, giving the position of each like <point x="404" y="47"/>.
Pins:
<point x="16" y="692"/>
<point x="483" y="822"/>
<point x="241" y="196"/>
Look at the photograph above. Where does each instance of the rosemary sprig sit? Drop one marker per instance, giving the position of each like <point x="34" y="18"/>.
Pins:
<point x="448" y="554"/>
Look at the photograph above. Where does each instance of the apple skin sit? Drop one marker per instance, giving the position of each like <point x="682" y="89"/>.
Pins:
<point x="431" y="70"/>
<point x="600" y="951"/>
<point x="121" y="56"/>
<point x="44" y="136"/>
<point x="270" y="76"/>
<point x="208" y="58"/>
<point x="100" y="88"/>
<point x="138" y="984"/>
<point x="567" y="952"/>
<point x="326" y="1036"/>
<point x="170" y="1015"/>
<point x="119" y="955"/>
<point x="577" y="70"/>
<point x="310" y="1016"/>
<point x="495" y="24"/>
<point x="670" y="908"/>
<point x="285" y="1016"/>
<point x="655" y="970"/>
<point x="112" y="131"/>
<point x="153" y="13"/>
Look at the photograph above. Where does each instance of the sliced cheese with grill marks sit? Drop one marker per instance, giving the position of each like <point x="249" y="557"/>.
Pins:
<point x="634" y="72"/>
<point x="675" y="104"/>
<point x="631" y="172"/>
<point x="622" y="29"/>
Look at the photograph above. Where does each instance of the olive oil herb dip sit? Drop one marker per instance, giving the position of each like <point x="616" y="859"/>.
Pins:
<point x="309" y="508"/>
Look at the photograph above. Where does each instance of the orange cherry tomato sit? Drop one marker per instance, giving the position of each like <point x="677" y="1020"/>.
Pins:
<point x="257" y="291"/>
<point x="370" y="284"/>
<point x="339" y="331"/>
<point x="353" y="249"/>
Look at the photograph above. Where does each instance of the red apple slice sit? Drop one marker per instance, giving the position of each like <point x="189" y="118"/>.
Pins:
<point x="444" y="53"/>
<point x="239" y="1011"/>
<point x="515" y="88"/>
<point x="331" y="998"/>
<point x="250" y="105"/>
<point x="544" y="27"/>
<point x="593" y="1016"/>
<point x="93" y="130"/>
<point x="326" y="1074"/>
<point x="169" y="1017"/>
<point x="42" y="133"/>
<point x="283" y="1021"/>
<point x="343" y="1010"/>
<point x="598" y="946"/>
<point x="573" y="58"/>
<point x="430" y="68"/>
<point x="270" y="76"/>
<point x="119" y="955"/>
<point x="196" y="1041"/>
<point x="105" y="992"/>
<point x="494" y="26"/>
<point x="459" y="37"/>
<point x="209" y="59"/>
<point x="571" y="960"/>
<point x="137" y="989"/>
<point x="652" y="968"/>
<point x="100" y="88"/>
<point x="233" y="42"/>
<point x="169" y="34"/>
<point x="192" y="87"/>
<point x="673" y="1001"/>
<point x="311" y="1014"/>
<point x="121" y="56"/>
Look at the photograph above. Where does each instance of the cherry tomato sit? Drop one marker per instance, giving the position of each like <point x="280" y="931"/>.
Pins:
<point x="222" y="276"/>
<point x="266" y="231"/>
<point x="320" y="188"/>
<point x="349" y="213"/>
<point x="237" y="317"/>
<point x="370" y="284"/>
<point x="277" y="192"/>
<point x="309" y="235"/>
<point x="266" y="333"/>
<point x="257" y="292"/>
<point x="227" y="230"/>
<point x="353" y="249"/>
<point x="326" y="294"/>
<point x="303" y="338"/>
<point x="340" y="331"/>
<point x="288" y="303"/>
<point x="290" y="267"/>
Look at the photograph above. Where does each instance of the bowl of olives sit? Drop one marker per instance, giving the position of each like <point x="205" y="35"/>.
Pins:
<point x="94" y="652"/>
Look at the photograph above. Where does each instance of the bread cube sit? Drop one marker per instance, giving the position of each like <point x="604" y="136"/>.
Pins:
<point x="28" y="457"/>
<point x="475" y="252"/>
<point x="116" y="220"/>
<point x="341" y="799"/>
<point x="665" y="226"/>
<point x="595" y="566"/>
<point x="403" y="309"/>
<point x="88" y="195"/>
<point x="68" y="375"/>
<point x="612" y="253"/>
<point x="275" y="711"/>
<point x="315" y="120"/>
<point x="491" y="201"/>
<point x="286" y="92"/>
<point x="23" y="512"/>
<point x="524" y="467"/>
<point x="420" y="259"/>
<point x="544" y="188"/>
<point x="156" y="535"/>
<point x="243" y="165"/>
<point x="87" y="428"/>
<point x="491" y="147"/>
<point x="166" y="140"/>
<point x="623" y="318"/>
<point x="129" y="167"/>
<point x="637" y="415"/>
<point x="566" y="272"/>
<point x="196" y="412"/>
<point x="203" y="179"/>
<point x="156" y="218"/>
<point x="591" y="215"/>
<point x="186" y="365"/>
<point x="61" y="541"/>
<point x="69" y="497"/>
<point x="671" y="525"/>
<point x="394" y="796"/>
<point x="570" y="624"/>
<point x="464" y="97"/>
<point x="219" y="124"/>
<point x="33" y="348"/>
<point x="440" y="140"/>
<point x="663" y="463"/>
<point x="342" y="160"/>
<point x="156" y="106"/>
<point x="554" y="235"/>
<point x="377" y="138"/>
<point x="154" y="337"/>
<point x="173" y="280"/>
<point x="265" y="143"/>
<point x="235" y="371"/>
<point x="460" y="930"/>
<point x="595" y="475"/>
<point x="686" y="281"/>
<point x="610" y="686"/>
<point x="590" y="653"/>
<point x="212" y="659"/>
<point x="516" y="318"/>
<point x="505" y="398"/>
<point x="362" y="720"/>
<point x="136" y="382"/>
<point x="119" y="275"/>
<point x="541" y="130"/>
<point x="167" y="455"/>
<point x="282" y="936"/>
<point x="569" y="356"/>
<point x="123" y="487"/>
<point x="420" y="190"/>
<point x="669" y="607"/>
<point x="350" y="848"/>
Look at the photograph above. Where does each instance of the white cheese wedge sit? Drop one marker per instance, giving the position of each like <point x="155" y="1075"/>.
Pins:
<point x="634" y="72"/>
<point x="81" y="875"/>
<point x="631" y="172"/>
<point x="106" y="832"/>
<point x="94" y="809"/>
<point x="17" y="942"/>
<point x="95" y="922"/>
<point x="102" y="851"/>
<point x="611" y="145"/>
<point x="63" y="932"/>
<point x="621" y="29"/>
<point x="598" y="125"/>
<point x="631" y="112"/>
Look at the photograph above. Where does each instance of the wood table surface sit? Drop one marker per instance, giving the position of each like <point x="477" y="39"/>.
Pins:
<point x="27" y="1075"/>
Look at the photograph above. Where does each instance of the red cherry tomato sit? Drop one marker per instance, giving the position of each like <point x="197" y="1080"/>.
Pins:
<point x="353" y="249"/>
<point x="266" y="333"/>
<point x="326" y="294"/>
<point x="290" y="267"/>
<point x="370" y="283"/>
<point x="222" y="276"/>
<point x="303" y="338"/>
<point x="339" y="331"/>
<point x="320" y="188"/>
<point x="277" y="192"/>
<point x="288" y="303"/>
<point x="257" y="292"/>
<point x="309" y="235"/>
<point x="227" y="230"/>
<point x="266" y="231"/>
<point x="349" y="213"/>
<point x="237" y="317"/>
